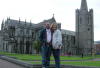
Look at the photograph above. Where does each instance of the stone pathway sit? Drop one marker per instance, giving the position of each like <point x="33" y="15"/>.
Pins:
<point x="6" y="64"/>
<point x="96" y="59"/>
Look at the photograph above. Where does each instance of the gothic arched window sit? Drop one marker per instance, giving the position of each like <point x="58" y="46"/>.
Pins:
<point x="88" y="29"/>
<point x="80" y="20"/>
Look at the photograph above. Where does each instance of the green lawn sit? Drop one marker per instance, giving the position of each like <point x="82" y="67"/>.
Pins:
<point x="32" y="58"/>
<point x="77" y="63"/>
<point x="38" y="57"/>
<point x="83" y="63"/>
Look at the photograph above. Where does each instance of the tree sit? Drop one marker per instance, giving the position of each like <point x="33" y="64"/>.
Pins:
<point x="37" y="46"/>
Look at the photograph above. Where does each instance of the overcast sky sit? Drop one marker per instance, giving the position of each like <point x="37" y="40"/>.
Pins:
<point x="39" y="10"/>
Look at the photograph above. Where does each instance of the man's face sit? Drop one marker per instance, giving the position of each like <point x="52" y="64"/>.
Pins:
<point x="47" y="25"/>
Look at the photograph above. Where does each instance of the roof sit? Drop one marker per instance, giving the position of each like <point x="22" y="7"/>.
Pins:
<point x="68" y="32"/>
<point x="17" y="23"/>
<point x="41" y="24"/>
<point x="96" y="42"/>
<point x="12" y="22"/>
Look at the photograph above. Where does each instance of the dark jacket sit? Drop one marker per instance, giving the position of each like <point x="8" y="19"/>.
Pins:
<point x="43" y="37"/>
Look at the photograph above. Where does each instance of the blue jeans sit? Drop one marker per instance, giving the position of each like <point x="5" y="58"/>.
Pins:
<point x="56" y="54"/>
<point x="46" y="51"/>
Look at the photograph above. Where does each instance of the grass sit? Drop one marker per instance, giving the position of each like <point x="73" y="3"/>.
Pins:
<point x="83" y="63"/>
<point x="76" y="63"/>
<point x="32" y="58"/>
<point x="97" y="56"/>
<point x="22" y="56"/>
<point x="38" y="57"/>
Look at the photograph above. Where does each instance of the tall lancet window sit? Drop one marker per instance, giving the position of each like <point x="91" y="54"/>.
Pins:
<point x="88" y="18"/>
<point x="80" y="20"/>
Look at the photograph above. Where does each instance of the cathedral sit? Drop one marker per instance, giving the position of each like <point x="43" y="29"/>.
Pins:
<point x="84" y="30"/>
<point x="17" y="36"/>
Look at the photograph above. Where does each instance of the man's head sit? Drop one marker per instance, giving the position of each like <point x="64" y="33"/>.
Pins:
<point x="47" y="25"/>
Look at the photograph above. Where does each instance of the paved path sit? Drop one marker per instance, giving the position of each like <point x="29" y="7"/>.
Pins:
<point x="96" y="59"/>
<point x="6" y="64"/>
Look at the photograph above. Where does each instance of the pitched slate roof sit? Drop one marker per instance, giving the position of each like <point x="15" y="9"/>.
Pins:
<point x="67" y="32"/>
<point x="17" y="23"/>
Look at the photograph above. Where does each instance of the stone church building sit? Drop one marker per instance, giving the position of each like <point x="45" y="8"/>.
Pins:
<point x="84" y="29"/>
<point x="17" y="36"/>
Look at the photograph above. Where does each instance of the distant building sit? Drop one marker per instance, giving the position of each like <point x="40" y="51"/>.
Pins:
<point x="68" y="42"/>
<point x="97" y="47"/>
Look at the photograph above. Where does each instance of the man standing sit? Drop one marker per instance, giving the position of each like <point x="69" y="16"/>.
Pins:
<point x="45" y="38"/>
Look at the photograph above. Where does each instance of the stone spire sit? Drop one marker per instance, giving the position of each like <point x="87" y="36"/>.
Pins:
<point x="53" y="15"/>
<point x="19" y="19"/>
<point x="2" y="25"/>
<point x="25" y="21"/>
<point x="2" y="22"/>
<point x="53" y="18"/>
<point x="84" y="5"/>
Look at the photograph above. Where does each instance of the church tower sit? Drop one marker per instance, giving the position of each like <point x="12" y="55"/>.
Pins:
<point x="84" y="30"/>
